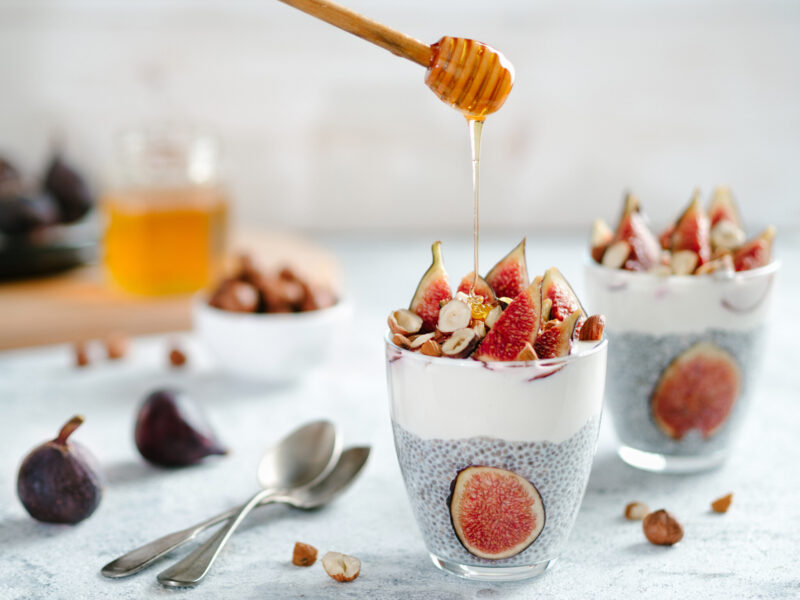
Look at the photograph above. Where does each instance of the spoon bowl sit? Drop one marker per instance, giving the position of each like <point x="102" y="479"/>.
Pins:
<point x="304" y="456"/>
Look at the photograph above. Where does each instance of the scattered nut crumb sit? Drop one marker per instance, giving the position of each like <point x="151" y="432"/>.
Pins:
<point x="341" y="567"/>
<point x="662" y="528"/>
<point x="721" y="505"/>
<point x="176" y="357"/>
<point x="304" y="555"/>
<point x="636" y="511"/>
<point x="116" y="346"/>
<point x="81" y="354"/>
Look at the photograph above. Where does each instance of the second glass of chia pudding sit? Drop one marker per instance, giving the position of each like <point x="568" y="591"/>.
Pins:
<point x="496" y="395"/>
<point x="687" y="318"/>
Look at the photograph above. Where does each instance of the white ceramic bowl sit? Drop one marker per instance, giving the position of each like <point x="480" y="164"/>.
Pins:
<point x="273" y="348"/>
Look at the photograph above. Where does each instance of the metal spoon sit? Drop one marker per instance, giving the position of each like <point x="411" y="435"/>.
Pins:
<point x="194" y="567"/>
<point x="301" y="458"/>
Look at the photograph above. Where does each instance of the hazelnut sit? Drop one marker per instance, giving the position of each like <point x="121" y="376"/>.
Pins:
<point x="341" y="567"/>
<point x="176" y="357"/>
<point x="116" y="346"/>
<point x="304" y="555"/>
<point x="662" y="528"/>
<point x="721" y="505"/>
<point x="636" y="511"/>
<point x="81" y="354"/>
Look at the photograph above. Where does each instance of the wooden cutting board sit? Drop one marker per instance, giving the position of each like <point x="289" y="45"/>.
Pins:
<point x="81" y="304"/>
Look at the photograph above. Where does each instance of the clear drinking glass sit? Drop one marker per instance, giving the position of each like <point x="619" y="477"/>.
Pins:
<point x="686" y="353"/>
<point x="538" y="420"/>
<point x="165" y="212"/>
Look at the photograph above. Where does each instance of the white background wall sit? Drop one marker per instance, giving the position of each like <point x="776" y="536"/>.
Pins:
<point x="324" y="131"/>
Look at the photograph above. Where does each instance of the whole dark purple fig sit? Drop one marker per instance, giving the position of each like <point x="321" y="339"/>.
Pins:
<point x="59" y="481"/>
<point x="23" y="213"/>
<point x="172" y="431"/>
<point x="69" y="189"/>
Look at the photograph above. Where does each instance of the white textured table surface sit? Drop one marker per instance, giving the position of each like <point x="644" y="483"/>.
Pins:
<point x="752" y="551"/>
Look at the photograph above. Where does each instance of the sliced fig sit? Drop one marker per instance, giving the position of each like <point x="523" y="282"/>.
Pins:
<point x="509" y="277"/>
<point x="558" y="290"/>
<point x="517" y="325"/>
<point x="482" y="288"/>
<point x="696" y="391"/>
<point x="601" y="238"/>
<point x="723" y="208"/>
<point x="555" y="339"/>
<point x="432" y="290"/>
<point x="693" y="231"/>
<point x="645" y="249"/>
<point x="665" y="239"/>
<point x="755" y="253"/>
<point x="495" y="513"/>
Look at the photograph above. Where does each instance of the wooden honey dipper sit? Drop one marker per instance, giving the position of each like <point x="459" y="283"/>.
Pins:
<point x="470" y="76"/>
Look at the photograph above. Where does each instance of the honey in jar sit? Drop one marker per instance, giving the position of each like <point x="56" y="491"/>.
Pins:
<point x="166" y="214"/>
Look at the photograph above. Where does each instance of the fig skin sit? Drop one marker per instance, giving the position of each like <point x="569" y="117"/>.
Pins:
<point x="171" y="431"/>
<point x="59" y="481"/>
<point x="22" y="213"/>
<point x="69" y="189"/>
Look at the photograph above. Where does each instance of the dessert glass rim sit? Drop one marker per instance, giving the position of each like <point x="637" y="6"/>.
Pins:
<point x="767" y="269"/>
<point x="201" y="299"/>
<point x="472" y="363"/>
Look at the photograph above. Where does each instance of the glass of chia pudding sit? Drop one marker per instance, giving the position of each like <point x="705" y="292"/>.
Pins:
<point x="495" y="397"/>
<point x="687" y="321"/>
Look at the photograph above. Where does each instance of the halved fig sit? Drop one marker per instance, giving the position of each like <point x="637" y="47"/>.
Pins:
<point x="665" y="239"/>
<point x="559" y="291"/>
<point x="433" y="288"/>
<point x="696" y="391"/>
<point x="645" y="249"/>
<point x="482" y="288"/>
<point x="723" y="208"/>
<point x="693" y="231"/>
<point x="555" y="339"/>
<point x="755" y="253"/>
<point x="509" y="277"/>
<point x="601" y="238"/>
<point x="495" y="513"/>
<point x="517" y="325"/>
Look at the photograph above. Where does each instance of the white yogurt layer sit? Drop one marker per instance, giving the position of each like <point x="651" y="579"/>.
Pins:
<point x="449" y="398"/>
<point x="648" y="303"/>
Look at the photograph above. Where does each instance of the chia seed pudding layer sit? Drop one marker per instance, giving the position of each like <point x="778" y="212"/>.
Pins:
<point x="559" y="471"/>
<point x="635" y="365"/>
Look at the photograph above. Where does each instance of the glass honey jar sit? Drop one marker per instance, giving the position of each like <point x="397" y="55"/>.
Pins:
<point x="165" y="212"/>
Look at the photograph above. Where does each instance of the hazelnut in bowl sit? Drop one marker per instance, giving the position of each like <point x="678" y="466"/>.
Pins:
<point x="269" y="326"/>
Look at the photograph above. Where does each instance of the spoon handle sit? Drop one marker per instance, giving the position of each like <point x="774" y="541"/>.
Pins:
<point x="194" y="567"/>
<point x="143" y="556"/>
<point x="395" y="42"/>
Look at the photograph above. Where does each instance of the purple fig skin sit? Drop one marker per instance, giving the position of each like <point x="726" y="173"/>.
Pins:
<point x="69" y="189"/>
<point x="59" y="481"/>
<point x="171" y="431"/>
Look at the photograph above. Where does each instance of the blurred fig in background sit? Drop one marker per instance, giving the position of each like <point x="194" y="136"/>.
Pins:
<point x="172" y="431"/>
<point x="22" y="213"/>
<point x="10" y="182"/>
<point x="59" y="481"/>
<point x="69" y="189"/>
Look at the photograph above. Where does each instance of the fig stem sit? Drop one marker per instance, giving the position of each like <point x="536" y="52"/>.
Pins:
<point x="68" y="428"/>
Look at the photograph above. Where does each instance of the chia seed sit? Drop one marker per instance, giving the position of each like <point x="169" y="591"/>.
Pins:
<point x="558" y="471"/>
<point x="636" y="362"/>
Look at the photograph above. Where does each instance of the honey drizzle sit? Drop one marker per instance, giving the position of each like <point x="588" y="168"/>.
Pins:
<point x="475" y="131"/>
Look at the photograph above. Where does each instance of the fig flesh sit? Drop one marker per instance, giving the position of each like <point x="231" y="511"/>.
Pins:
<point x="432" y="291"/>
<point x="632" y="228"/>
<point x="517" y="325"/>
<point x="59" y="482"/>
<point x="172" y="431"/>
<point x="495" y="513"/>
<point x="756" y="252"/>
<point x="693" y="232"/>
<point x="482" y="289"/>
<point x="696" y="391"/>
<point x="509" y="277"/>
